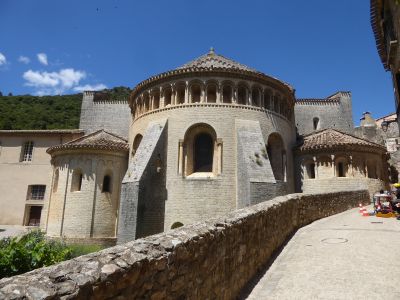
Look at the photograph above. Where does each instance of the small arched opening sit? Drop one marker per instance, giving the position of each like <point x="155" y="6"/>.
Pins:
<point x="277" y="101"/>
<point x="195" y="93"/>
<point x="316" y="123"/>
<point x="310" y="170"/>
<point x="167" y="96"/>
<point x="203" y="152"/>
<point x="180" y="94"/>
<point x="106" y="186"/>
<point x="267" y="99"/>
<point x="156" y="100"/>
<point x="146" y="102"/>
<point x="136" y="142"/>
<point x="211" y="93"/>
<point x="255" y="96"/>
<point x="277" y="155"/>
<point x="76" y="181"/>
<point x="341" y="167"/>
<point x="242" y="95"/>
<point x="227" y="94"/>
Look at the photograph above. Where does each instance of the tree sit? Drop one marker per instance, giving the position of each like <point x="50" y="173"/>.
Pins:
<point x="1" y="94"/>
<point x="10" y="94"/>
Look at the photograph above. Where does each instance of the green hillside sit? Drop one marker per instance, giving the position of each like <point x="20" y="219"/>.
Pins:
<point x="33" y="112"/>
<point x="46" y="112"/>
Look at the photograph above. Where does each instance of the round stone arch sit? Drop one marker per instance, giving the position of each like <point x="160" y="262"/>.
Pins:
<point x="309" y="168"/>
<point x="136" y="142"/>
<point x="200" y="150"/>
<point x="211" y="91"/>
<point x="277" y="156"/>
<point x="341" y="166"/>
<point x="227" y="91"/>
<point x="242" y="93"/>
<point x="196" y="88"/>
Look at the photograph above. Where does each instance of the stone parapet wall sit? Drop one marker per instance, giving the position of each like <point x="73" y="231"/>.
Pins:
<point x="207" y="260"/>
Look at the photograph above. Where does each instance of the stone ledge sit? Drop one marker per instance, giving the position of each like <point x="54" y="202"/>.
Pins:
<point x="212" y="259"/>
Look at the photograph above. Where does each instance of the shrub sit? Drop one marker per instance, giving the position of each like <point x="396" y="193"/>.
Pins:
<point x="22" y="254"/>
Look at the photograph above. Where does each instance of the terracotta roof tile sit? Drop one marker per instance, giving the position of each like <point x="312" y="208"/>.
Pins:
<point x="332" y="138"/>
<point x="99" y="140"/>
<point x="213" y="60"/>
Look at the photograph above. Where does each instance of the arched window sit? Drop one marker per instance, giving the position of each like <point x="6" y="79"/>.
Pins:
<point x="55" y="181"/>
<point x="242" y="95"/>
<point x="211" y="93"/>
<point x="227" y="94"/>
<point x="310" y="168"/>
<point x="316" y="123"/>
<point x="180" y="94"/>
<point x="267" y="97"/>
<point x="167" y="96"/>
<point x="255" y="96"/>
<point x="277" y="156"/>
<point x="340" y="169"/>
<point x="195" y="92"/>
<point x="76" y="182"/>
<point x="156" y="100"/>
<point x="146" y="106"/>
<point x="203" y="152"/>
<point x="176" y="225"/>
<point x="106" y="187"/>
<point x="200" y="152"/>
<point x="277" y="100"/>
<point x="136" y="143"/>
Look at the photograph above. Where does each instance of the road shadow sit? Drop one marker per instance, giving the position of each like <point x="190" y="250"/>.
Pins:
<point x="248" y="288"/>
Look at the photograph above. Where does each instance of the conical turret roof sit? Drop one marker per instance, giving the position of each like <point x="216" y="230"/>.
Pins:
<point x="99" y="140"/>
<point x="212" y="60"/>
<point x="331" y="138"/>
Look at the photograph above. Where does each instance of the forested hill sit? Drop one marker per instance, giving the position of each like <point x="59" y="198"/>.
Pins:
<point x="45" y="112"/>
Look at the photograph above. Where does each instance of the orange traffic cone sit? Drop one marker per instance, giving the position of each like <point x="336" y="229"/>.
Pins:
<point x="364" y="211"/>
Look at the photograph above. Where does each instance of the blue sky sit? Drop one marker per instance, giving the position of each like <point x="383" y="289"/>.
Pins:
<point x="319" y="47"/>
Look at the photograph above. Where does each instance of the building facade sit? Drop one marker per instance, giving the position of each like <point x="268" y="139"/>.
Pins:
<point x="385" y="21"/>
<point x="25" y="170"/>
<point x="191" y="144"/>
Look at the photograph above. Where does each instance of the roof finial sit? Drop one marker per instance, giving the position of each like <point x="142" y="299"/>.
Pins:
<point x="212" y="52"/>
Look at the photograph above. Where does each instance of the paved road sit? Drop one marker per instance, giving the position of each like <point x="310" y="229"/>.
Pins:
<point x="345" y="256"/>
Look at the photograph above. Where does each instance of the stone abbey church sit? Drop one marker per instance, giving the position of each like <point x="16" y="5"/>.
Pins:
<point x="189" y="144"/>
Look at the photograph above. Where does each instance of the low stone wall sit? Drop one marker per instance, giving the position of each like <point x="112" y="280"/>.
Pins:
<point x="208" y="260"/>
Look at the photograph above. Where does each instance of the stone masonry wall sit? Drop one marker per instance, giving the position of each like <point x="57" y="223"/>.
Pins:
<point x="337" y="115"/>
<point x="214" y="259"/>
<point x="112" y="116"/>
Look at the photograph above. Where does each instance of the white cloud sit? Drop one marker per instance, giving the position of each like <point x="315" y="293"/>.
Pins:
<point x="53" y="82"/>
<point x="90" y="87"/>
<point x="24" y="59"/>
<point x="42" y="58"/>
<point x="3" y="59"/>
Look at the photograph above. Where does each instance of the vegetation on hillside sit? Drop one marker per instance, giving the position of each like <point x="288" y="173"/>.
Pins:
<point x="47" y="112"/>
<point x="33" y="112"/>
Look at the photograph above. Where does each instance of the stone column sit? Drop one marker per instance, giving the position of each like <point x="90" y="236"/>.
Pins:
<point x="235" y="94"/>
<point x="202" y="94"/>
<point x="219" y="154"/>
<point x="151" y="94"/>
<point x="218" y="92"/>
<point x="180" y="157"/>
<point x="351" y="166"/>
<point x="162" y="98"/>
<point x="262" y="104"/>
<point x="315" y="166"/>
<point x="333" y="165"/>
<point x="186" y="92"/>
<point x="173" y="94"/>
<point x="249" y="96"/>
